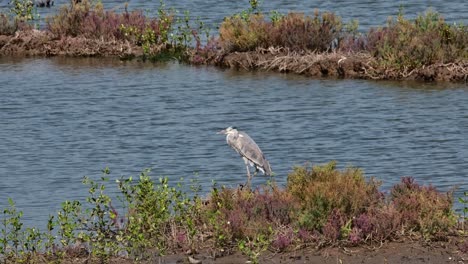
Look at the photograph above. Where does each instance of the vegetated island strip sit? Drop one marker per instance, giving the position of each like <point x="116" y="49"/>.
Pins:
<point x="426" y="48"/>
<point x="322" y="211"/>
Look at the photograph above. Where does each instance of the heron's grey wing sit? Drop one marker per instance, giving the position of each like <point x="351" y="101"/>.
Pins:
<point x="247" y="147"/>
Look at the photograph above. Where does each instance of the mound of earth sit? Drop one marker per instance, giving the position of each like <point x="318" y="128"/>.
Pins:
<point x="338" y="65"/>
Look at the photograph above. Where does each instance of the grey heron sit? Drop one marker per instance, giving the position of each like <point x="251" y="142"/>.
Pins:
<point x="249" y="151"/>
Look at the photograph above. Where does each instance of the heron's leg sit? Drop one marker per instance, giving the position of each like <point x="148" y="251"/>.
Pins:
<point x="256" y="171"/>
<point x="248" y="172"/>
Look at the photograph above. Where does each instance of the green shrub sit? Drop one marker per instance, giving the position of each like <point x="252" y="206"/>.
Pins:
<point x="92" y="21"/>
<point x="149" y="212"/>
<point x="299" y="32"/>
<point x="23" y="9"/>
<point x="12" y="238"/>
<point x="98" y="219"/>
<point x="406" y="45"/>
<point x="423" y="208"/>
<point x="244" y="34"/>
<point x="322" y="189"/>
<point x="294" y="31"/>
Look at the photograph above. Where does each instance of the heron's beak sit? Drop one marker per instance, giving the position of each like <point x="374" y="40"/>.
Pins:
<point x="221" y="131"/>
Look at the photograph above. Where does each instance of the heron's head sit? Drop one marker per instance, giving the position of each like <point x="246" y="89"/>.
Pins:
<point x="227" y="130"/>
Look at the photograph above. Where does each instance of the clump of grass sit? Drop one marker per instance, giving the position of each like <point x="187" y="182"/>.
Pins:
<point x="10" y="25"/>
<point x="299" y="32"/>
<point x="422" y="207"/>
<point x="204" y="53"/>
<point x="90" y="20"/>
<point x="406" y="45"/>
<point x="252" y="221"/>
<point x="247" y="213"/>
<point x="294" y="31"/>
<point x="7" y="26"/>
<point x="316" y="189"/>
<point x="244" y="34"/>
<point x="409" y="209"/>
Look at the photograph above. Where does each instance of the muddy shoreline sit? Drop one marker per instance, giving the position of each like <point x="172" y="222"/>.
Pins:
<point x="406" y="252"/>
<point x="339" y="65"/>
<point x="336" y="65"/>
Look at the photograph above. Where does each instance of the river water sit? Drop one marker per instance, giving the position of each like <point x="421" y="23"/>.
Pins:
<point x="212" y="12"/>
<point x="62" y="119"/>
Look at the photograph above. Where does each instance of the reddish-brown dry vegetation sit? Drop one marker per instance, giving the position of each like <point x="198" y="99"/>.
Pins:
<point x="320" y="45"/>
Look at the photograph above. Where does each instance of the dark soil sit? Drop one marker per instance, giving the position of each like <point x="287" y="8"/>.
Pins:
<point x="394" y="252"/>
<point x="406" y="252"/>
<point x="340" y="65"/>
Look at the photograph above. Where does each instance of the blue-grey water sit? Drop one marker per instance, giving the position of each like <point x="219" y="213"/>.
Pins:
<point x="61" y="119"/>
<point x="212" y="12"/>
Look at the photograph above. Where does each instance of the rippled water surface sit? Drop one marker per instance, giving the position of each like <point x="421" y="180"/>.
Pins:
<point x="61" y="119"/>
<point x="368" y="13"/>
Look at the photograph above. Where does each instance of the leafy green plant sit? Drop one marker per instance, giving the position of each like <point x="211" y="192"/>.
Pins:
<point x="68" y="222"/>
<point x="23" y="9"/>
<point x="275" y="17"/>
<point x="187" y="213"/>
<point x="165" y="38"/>
<point x="406" y="45"/>
<point x="148" y="39"/>
<point x="464" y="202"/>
<point x="166" y="17"/>
<point x="49" y="237"/>
<point x="149" y="212"/>
<point x="33" y="245"/>
<point x="254" y="247"/>
<point x="133" y="236"/>
<point x="216" y="219"/>
<point x="12" y="233"/>
<point x="159" y="216"/>
<point x="100" y="219"/>
<point x="253" y="5"/>
<point x="183" y="35"/>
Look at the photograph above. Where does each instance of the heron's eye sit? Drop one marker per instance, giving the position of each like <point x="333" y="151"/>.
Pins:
<point x="233" y="127"/>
